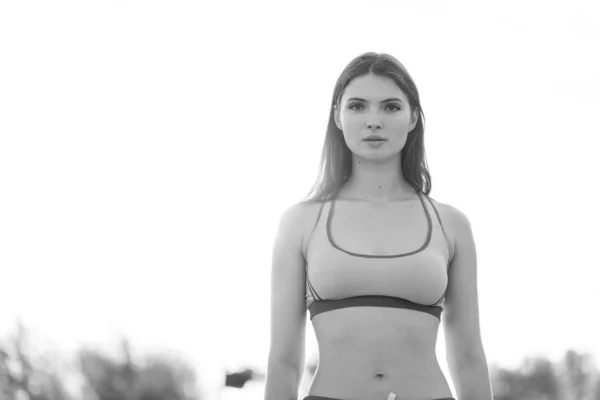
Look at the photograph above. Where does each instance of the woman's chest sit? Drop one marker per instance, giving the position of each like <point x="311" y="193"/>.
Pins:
<point x="372" y="231"/>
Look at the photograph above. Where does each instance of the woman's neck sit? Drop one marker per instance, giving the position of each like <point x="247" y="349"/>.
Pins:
<point x="376" y="192"/>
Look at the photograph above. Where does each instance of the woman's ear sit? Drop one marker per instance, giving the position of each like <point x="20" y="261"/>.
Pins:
<point x="414" y="119"/>
<point x="336" y="116"/>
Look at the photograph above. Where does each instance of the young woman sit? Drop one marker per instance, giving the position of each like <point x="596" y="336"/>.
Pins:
<point x="377" y="263"/>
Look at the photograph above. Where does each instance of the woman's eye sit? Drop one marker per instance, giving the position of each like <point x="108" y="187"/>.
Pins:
<point x="360" y="107"/>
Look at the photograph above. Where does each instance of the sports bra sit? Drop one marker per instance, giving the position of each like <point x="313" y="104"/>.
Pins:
<point x="337" y="278"/>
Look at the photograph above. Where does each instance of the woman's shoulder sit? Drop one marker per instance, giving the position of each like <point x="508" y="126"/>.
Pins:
<point x="305" y="213"/>
<point x="453" y="220"/>
<point x="308" y="211"/>
<point x="447" y="211"/>
<point x="302" y="210"/>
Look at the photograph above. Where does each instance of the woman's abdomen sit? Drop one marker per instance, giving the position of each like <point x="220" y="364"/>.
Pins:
<point x="366" y="353"/>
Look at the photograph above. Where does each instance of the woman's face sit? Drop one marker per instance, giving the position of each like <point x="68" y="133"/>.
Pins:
<point x="366" y="109"/>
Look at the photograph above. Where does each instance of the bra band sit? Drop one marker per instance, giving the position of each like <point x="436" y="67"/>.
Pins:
<point x="320" y="306"/>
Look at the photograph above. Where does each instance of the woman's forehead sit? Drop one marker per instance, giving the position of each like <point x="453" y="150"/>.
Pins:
<point x="373" y="88"/>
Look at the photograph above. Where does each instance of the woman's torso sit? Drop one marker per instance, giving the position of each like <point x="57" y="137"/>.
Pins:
<point x="367" y="352"/>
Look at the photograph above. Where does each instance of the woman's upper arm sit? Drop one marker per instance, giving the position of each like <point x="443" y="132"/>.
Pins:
<point x="288" y="312"/>
<point x="461" y="312"/>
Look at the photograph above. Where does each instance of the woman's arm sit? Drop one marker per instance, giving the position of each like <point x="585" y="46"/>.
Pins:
<point x="288" y="310"/>
<point x="464" y="348"/>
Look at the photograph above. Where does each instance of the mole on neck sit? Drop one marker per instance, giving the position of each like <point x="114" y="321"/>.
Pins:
<point x="379" y="195"/>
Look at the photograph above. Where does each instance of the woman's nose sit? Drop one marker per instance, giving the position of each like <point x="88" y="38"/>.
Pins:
<point x="372" y="124"/>
<point x="373" y="121"/>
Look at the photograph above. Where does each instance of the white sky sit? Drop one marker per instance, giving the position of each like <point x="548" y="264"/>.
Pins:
<point x="147" y="150"/>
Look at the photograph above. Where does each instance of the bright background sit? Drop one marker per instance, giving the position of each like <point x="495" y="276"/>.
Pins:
<point x="148" y="149"/>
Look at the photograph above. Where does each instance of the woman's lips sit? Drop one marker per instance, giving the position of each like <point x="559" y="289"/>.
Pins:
<point x="375" y="142"/>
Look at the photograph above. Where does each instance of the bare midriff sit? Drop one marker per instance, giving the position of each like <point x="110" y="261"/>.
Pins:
<point x="366" y="353"/>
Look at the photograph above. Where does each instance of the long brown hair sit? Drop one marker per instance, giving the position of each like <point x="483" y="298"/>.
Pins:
<point x="336" y="158"/>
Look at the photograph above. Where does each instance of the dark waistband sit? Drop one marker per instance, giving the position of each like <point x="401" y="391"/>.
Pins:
<point x="331" y="398"/>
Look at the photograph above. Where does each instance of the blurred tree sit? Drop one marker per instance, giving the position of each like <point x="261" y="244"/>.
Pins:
<point x="23" y="377"/>
<point x="159" y="378"/>
<point x="166" y="378"/>
<point x="104" y="377"/>
<point x="541" y="379"/>
<point x="575" y="377"/>
<point x="534" y="380"/>
<point x="579" y="375"/>
<point x="596" y="388"/>
<point x="506" y="383"/>
<point x="8" y="384"/>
